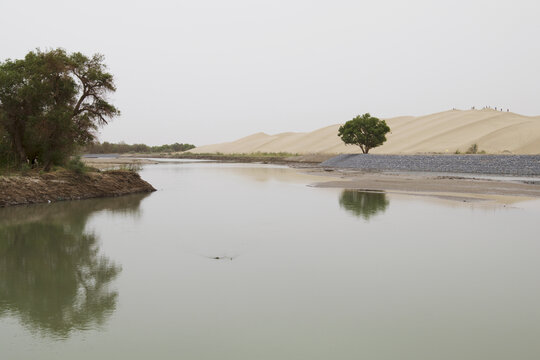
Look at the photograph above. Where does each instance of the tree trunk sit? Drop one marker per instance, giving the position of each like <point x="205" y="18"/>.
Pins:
<point x="16" y="131"/>
<point x="18" y="146"/>
<point x="48" y="164"/>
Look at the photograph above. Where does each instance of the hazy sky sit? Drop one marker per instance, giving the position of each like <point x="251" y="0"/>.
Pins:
<point x="207" y="71"/>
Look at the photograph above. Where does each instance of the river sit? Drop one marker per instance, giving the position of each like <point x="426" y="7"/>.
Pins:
<point x="246" y="261"/>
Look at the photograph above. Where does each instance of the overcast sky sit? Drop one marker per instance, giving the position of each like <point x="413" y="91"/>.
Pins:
<point x="207" y="71"/>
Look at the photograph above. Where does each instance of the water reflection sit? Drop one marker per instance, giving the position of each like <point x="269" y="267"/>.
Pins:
<point x="52" y="274"/>
<point x="363" y="204"/>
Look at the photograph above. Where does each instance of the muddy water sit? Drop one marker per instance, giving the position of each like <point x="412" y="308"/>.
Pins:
<point x="247" y="262"/>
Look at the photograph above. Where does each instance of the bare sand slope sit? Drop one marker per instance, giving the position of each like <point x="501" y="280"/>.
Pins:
<point x="493" y="131"/>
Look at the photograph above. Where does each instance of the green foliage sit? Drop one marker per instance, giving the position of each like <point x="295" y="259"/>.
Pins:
<point x="473" y="149"/>
<point x="365" y="131"/>
<point x="257" y="154"/>
<point x="76" y="165"/>
<point x="130" y="167"/>
<point x="25" y="169"/>
<point x="7" y="159"/>
<point x="52" y="102"/>
<point x="267" y="154"/>
<point x="122" y="148"/>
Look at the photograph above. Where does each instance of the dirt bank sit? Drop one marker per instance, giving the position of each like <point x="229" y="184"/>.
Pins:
<point x="64" y="185"/>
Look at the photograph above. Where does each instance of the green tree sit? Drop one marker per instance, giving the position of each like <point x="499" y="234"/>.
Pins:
<point x="22" y="96"/>
<point x="6" y="154"/>
<point x="365" y="131"/>
<point x="52" y="102"/>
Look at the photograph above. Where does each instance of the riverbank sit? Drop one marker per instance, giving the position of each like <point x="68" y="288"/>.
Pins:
<point x="441" y="184"/>
<point x="264" y="158"/>
<point x="503" y="178"/>
<point x="505" y="190"/>
<point x="66" y="185"/>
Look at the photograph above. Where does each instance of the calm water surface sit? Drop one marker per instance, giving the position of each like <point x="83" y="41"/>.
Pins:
<point x="302" y="273"/>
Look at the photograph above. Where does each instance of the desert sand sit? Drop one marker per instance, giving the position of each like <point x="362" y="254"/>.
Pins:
<point x="494" y="132"/>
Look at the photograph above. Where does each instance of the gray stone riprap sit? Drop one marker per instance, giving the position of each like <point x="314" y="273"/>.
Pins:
<point x="516" y="165"/>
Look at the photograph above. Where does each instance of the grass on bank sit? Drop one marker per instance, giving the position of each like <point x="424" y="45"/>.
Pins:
<point x="245" y="155"/>
<point x="473" y="149"/>
<point x="74" y="165"/>
<point x="123" y="148"/>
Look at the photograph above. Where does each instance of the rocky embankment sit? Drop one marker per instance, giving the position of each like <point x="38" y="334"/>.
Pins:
<point x="515" y="165"/>
<point x="64" y="185"/>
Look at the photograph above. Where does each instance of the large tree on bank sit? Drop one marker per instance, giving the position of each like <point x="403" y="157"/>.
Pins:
<point x="365" y="131"/>
<point x="51" y="102"/>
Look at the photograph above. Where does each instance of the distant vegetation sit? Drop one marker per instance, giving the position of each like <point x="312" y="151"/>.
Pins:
<point x="123" y="148"/>
<point x="240" y="157"/>
<point x="51" y="104"/>
<point x="365" y="131"/>
<point x="253" y="154"/>
<point x="473" y="149"/>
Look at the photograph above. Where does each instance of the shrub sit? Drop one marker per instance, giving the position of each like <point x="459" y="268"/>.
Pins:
<point x="473" y="149"/>
<point x="76" y="165"/>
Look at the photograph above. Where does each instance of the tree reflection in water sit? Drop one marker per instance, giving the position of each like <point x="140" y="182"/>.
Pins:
<point x="52" y="275"/>
<point x="364" y="204"/>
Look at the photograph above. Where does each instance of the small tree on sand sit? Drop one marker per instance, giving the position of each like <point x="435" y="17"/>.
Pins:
<point x="365" y="131"/>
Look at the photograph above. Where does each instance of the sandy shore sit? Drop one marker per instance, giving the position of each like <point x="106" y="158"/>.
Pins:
<point x="458" y="188"/>
<point x="449" y="187"/>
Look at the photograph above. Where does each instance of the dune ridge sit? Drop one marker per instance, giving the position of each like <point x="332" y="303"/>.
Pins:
<point x="494" y="132"/>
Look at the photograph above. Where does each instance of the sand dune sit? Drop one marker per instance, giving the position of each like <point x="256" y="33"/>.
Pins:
<point x="493" y="131"/>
